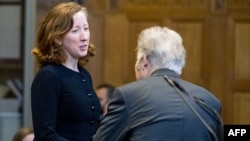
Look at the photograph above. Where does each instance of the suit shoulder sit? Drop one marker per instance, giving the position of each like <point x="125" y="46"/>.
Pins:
<point x="132" y="85"/>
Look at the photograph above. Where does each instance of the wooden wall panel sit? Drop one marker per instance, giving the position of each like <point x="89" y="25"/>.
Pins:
<point x="238" y="68"/>
<point x="241" y="108"/>
<point x="241" y="68"/>
<point x="116" y="48"/>
<point x="95" y="64"/>
<point x="190" y="30"/>
<point x="215" y="44"/>
<point x="242" y="51"/>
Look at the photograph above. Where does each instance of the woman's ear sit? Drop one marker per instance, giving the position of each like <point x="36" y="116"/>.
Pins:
<point x="58" y="41"/>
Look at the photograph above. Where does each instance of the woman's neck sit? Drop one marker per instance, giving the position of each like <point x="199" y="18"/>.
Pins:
<point x="73" y="65"/>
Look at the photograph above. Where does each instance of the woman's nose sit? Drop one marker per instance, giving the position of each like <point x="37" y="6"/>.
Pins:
<point x="84" y="35"/>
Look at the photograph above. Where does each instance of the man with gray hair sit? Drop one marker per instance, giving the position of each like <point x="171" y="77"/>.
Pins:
<point x="160" y="106"/>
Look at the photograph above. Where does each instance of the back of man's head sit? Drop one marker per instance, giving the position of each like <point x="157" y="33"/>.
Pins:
<point x="163" y="48"/>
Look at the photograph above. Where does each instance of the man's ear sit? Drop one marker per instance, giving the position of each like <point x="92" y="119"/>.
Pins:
<point x="144" y="62"/>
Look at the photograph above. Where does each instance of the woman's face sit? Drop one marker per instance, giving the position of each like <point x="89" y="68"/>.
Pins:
<point x="76" y="41"/>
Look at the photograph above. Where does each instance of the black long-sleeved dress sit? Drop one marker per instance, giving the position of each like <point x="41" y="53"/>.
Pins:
<point x="64" y="104"/>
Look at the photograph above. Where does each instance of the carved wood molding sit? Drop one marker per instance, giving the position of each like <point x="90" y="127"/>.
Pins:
<point x="239" y="3"/>
<point x="218" y="6"/>
<point x="120" y="4"/>
<point x="168" y="2"/>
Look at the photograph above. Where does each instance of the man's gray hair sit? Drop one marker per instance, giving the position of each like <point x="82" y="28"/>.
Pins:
<point x="163" y="48"/>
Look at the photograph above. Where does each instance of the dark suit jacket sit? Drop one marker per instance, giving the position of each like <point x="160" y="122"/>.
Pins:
<point x="151" y="110"/>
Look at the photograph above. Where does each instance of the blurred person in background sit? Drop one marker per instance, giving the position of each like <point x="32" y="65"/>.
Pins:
<point x="104" y="92"/>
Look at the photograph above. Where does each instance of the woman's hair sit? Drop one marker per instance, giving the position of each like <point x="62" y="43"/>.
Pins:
<point x="21" y="133"/>
<point x="162" y="47"/>
<point x="55" y="25"/>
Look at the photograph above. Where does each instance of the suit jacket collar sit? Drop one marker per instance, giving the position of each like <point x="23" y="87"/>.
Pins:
<point x="162" y="72"/>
